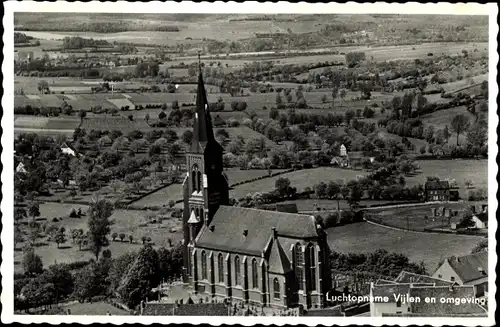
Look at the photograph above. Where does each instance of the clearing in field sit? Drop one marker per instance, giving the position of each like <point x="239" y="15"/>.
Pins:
<point x="430" y="247"/>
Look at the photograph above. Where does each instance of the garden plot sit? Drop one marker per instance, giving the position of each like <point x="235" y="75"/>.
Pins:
<point x="124" y="102"/>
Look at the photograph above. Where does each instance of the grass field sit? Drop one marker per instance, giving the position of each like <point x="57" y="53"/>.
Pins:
<point x="161" y="197"/>
<point x="431" y="248"/>
<point x="129" y="222"/>
<point x="413" y="217"/>
<point x="459" y="169"/>
<point x="94" y="308"/>
<point x="299" y="179"/>
<point x="174" y="192"/>
<point x="330" y="205"/>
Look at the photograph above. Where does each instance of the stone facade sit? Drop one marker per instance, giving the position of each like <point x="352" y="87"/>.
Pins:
<point x="260" y="257"/>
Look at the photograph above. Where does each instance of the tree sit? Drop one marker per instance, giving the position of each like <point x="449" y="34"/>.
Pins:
<point x="82" y="114"/>
<point x="99" y="225"/>
<point x="355" y="195"/>
<point x="281" y="185"/>
<point x="140" y="278"/>
<point x="279" y="101"/>
<point x="131" y="238"/>
<point x="191" y="71"/>
<point x="335" y="92"/>
<point x="343" y="94"/>
<point x="88" y="282"/>
<point x="420" y="103"/>
<point x="324" y="98"/>
<point x="114" y="235"/>
<point x="122" y="236"/>
<point x="333" y="191"/>
<point x="18" y="236"/>
<point x="32" y="263"/>
<point x="477" y="136"/>
<point x="459" y="124"/>
<point x="19" y="214"/>
<point x="187" y="136"/>
<point x="43" y="86"/>
<point x="59" y="275"/>
<point x="60" y="236"/>
<point x="34" y="210"/>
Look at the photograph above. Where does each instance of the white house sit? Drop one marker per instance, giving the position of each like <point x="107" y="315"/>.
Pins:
<point x="67" y="150"/>
<point x="471" y="269"/>
<point x="480" y="220"/>
<point x="20" y="168"/>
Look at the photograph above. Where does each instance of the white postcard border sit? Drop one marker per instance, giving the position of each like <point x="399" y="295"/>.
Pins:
<point x="7" y="315"/>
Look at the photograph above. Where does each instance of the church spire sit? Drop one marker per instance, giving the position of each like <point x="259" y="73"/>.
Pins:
<point x="202" y="129"/>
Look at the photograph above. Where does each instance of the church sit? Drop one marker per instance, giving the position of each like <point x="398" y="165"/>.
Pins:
<point x="260" y="257"/>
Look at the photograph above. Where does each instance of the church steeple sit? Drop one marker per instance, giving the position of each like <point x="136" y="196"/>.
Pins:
<point x="202" y="130"/>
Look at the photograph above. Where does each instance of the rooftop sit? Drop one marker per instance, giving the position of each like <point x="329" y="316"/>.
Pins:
<point x="409" y="277"/>
<point x="470" y="267"/>
<point x="229" y="223"/>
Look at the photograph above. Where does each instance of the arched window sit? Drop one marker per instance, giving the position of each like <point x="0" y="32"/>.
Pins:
<point x="197" y="212"/>
<point x="255" y="283"/>
<point x="203" y="265"/>
<point x="237" y="272"/>
<point x="220" y="264"/>
<point x="202" y="215"/>
<point x="276" y="288"/>
<point x="299" y="265"/>
<point x="194" y="174"/>
<point x="311" y="252"/>
<point x="198" y="178"/>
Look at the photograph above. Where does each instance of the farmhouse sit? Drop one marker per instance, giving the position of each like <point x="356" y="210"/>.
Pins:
<point x="467" y="270"/>
<point x="262" y="257"/>
<point x="21" y="168"/>
<point x="480" y="218"/>
<point x="436" y="190"/>
<point x="67" y="150"/>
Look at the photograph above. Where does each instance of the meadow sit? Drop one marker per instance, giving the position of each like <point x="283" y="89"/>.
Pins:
<point x="299" y="179"/>
<point x="457" y="169"/>
<point x="418" y="217"/>
<point x="364" y="237"/>
<point x="129" y="222"/>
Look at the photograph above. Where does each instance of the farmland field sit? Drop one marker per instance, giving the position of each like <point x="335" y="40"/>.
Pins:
<point x="299" y="179"/>
<point x="125" y="221"/>
<point x="430" y="247"/>
<point x="458" y="169"/>
<point x="413" y="217"/>
<point x="160" y="198"/>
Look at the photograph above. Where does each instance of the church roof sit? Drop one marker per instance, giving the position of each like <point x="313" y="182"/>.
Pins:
<point x="202" y="127"/>
<point x="278" y="261"/>
<point x="229" y="224"/>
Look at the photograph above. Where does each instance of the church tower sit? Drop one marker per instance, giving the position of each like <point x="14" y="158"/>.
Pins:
<point x="205" y="187"/>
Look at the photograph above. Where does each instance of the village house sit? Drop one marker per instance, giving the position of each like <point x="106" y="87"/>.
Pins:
<point x="436" y="190"/>
<point x="21" y="168"/>
<point x="480" y="218"/>
<point x="261" y="257"/>
<point x="470" y="270"/>
<point x="67" y="150"/>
